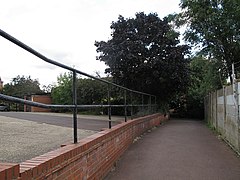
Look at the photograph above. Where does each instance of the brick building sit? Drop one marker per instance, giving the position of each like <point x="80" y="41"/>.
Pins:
<point x="41" y="98"/>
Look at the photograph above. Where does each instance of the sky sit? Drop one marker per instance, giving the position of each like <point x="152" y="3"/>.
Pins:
<point x="64" y="31"/>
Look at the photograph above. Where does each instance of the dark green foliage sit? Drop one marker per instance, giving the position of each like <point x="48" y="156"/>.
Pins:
<point x="62" y="93"/>
<point x="143" y="54"/>
<point x="205" y="77"/>
<point x="21" y="86"/>
<point x="214" y="25"/>
<point x="89" y="91"/>
<point x="47" y="88"/>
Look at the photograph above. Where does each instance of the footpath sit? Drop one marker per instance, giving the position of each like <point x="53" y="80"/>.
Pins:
<point x="178" y="150"/>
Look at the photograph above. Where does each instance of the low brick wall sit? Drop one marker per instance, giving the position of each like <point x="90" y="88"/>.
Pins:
<point x="9" y="171"/>
<point x="91" y="158"/>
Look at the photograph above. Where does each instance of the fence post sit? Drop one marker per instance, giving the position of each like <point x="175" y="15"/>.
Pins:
<point x="238" y="118"/>
<point x="109" y="108"/>
<point x="155" y="104"/>
<point x="225" y="107"/>
<point x="75" y="108"/>
<point x="143" y="105"/>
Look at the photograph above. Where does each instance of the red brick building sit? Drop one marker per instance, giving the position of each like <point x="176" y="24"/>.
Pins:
<point x="41" y="98"/>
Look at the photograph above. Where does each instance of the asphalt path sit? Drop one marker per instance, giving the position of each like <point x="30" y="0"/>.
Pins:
<point x="95" y="123"/>
<point x="178" y="150"/>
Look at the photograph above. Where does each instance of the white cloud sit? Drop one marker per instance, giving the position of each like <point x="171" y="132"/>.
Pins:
<point x="64" y="31"/>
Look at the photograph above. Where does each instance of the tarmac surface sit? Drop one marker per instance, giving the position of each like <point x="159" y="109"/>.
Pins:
<point x="178" y="150"/>
<point x="94" y="123"/>
<point x="27" y="135"/>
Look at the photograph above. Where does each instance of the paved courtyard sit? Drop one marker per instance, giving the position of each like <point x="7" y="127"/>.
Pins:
<point x="27" y="135"/>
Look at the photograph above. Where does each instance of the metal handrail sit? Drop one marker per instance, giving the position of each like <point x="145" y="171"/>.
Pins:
<point x="56" y="106"/>
<point x="74" y="106"/>
<point x="34" y="52"/>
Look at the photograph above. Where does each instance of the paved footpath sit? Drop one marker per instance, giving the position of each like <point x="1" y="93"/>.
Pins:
<point x="178" y="150"/>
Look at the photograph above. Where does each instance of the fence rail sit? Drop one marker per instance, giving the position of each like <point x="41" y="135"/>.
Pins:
<point x="74" y="106"/>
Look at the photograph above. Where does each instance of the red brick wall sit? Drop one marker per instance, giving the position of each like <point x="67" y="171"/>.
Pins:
<point x="93" y="157"/>
<point x="41" y="99"/>
<point x="9" y="171"/>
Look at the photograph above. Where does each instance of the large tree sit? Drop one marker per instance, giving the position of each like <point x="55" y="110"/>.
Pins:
<point x="143" y="54"/>
<point x="213" y="25"/>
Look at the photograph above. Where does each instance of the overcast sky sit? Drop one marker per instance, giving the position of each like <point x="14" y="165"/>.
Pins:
<point x="65" y="31"/>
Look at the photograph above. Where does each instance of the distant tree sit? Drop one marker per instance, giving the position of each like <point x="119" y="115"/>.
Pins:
<point x="213" y="26"/>
<point x="62" y="92"/>
<point x="143" y="54"/>
<point x="205" y="77"/>
<point x="48" y="88"/>
<point x="21" y="85"/>
<point x="89" y="91"/>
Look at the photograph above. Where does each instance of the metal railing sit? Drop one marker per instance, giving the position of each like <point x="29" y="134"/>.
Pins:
<point x="75" y="106"/>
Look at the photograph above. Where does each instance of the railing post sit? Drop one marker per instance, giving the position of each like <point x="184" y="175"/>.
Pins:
<point x="125" y="105"/>
<point x="143" y="104"/>
<point x="131" y="105"/>
<point x="75" y="108"/>
<point x="150" y="104"/>
<point x="109" y="108"/>
<point x="155" y="104"/>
